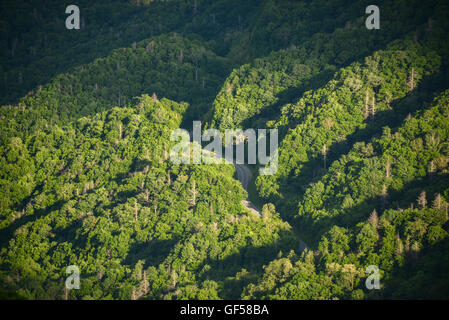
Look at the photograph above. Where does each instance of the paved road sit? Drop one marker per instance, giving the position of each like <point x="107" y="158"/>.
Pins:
<point x="244" y="175"/>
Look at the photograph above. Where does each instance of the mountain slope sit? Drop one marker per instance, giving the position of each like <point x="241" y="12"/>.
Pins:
<point x="86" y="177"/>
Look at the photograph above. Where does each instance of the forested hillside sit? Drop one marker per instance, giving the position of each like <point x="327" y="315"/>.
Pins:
<point x="102" y="194"/>
<point x="86" y="177"/>
<point x="404" y="175"/>
<point x="167" y="66"/>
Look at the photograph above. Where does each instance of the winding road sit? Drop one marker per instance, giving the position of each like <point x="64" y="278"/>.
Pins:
<point x="244" y="176"/>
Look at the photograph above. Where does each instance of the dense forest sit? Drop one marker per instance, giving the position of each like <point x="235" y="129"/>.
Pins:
<point x="86" y="178"/>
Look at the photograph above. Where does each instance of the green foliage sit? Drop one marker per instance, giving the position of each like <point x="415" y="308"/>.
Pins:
<point x="116" y="206"/>
<point x="86" y="177"/>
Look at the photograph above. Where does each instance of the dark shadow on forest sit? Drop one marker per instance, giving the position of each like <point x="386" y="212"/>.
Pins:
<point x="422" y="275"/>
<point x="289" y="95"/>
<point x="131" y="15"/>
<point x="313" y="170"/>
<point x="403" y="198"/>
<point x="154" y="252"/>
<point x="250" y="258"/>
<point x="7" y="233"/>
<point x="294" y="94"/>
